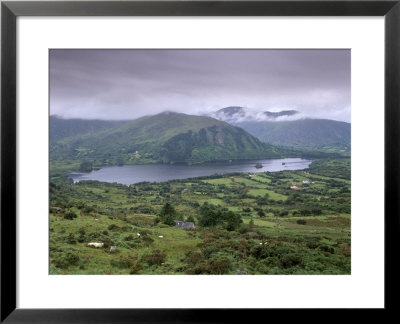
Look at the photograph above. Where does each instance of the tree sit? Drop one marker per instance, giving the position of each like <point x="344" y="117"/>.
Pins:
<point x="190" y="219"/>
<point x="208" y="216"/>
<point x="211" y="216"/>
<point x="168" y="214"/>
<point x="86" y="166"/>
<point x="261" y="213"/>
<point x="233" y="220"/>
<point x="70" y="215"/>
<point x="263" y="200"/>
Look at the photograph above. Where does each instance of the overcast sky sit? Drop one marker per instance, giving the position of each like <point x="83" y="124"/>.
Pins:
<point x="126" y="84"/>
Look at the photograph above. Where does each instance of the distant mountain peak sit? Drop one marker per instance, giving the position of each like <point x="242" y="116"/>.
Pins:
<point x="167" y="137"/>
<point x="168" y="112"/>
<point x="231" y="110"/>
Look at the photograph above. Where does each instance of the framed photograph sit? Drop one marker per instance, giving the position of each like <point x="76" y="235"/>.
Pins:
<point x="188" y="161"/>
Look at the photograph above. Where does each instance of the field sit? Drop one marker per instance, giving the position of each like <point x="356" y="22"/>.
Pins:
<point x="289" y="222"/>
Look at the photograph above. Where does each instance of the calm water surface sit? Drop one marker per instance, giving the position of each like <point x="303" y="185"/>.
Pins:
<point x="129" y="174"/>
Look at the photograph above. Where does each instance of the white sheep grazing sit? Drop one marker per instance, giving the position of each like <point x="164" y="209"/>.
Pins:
<point x="138" y="234"/>
<point x="160" y="236"/>
<point x="96" y="245"/>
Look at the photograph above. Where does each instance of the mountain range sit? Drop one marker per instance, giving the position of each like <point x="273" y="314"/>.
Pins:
<point x="167" y="137"/>
<point x="283" y="129"/>
<point x="171" y="137"/>
<point x="61" y="128"/>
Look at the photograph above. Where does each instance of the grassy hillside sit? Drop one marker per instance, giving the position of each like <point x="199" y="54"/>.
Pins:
<point x="289" y="222"/>
<point x="306" y="133"/>
<point x="166" y="137"/>
<point x="62" y="128"/>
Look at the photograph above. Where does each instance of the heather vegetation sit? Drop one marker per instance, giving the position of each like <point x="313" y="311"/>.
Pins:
<point x="288" y="222"/>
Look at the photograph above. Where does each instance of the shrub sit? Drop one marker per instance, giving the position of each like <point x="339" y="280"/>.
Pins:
<point x="130" y="237"/>
<point x="316" y="211"/>
<point x="190" y="219"/>
<point x="87" y="209"/>
<point x="283" y="213"/>
<point x="70" y="239"/>
<point x="136" y="268"/>
<point x="79" y="204"/>
<point x="327" y="248"/>
<point x="93" y="236"/>
<point x="156" y="257"/>
<point x="261" y="213"/>
<point x="290" y="260"/>
<point x="112" y="227"/>
<point x="192" y="257"/>
<point x="107" y="242"/>
<point x="244" y="228"/>
<point x="305" y="212"/>
<point x="125" y="261"/>
<point x="147" y="240"/>
<point x="70" y="215"/>
<point x="66" y="260"/>
<point x="345" y="249"/>
<point x="218" y="265"/>
<point x="86" y="166"/>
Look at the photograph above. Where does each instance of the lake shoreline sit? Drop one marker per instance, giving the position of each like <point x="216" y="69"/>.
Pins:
<point x="131" y="174"/>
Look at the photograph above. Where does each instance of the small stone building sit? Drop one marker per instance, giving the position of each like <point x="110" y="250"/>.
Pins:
<point x="183" y="224"/>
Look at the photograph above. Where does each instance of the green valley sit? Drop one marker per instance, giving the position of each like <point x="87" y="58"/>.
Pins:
<point x="288" y="222"/>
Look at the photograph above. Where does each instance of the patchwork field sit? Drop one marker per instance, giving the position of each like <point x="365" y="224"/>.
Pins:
<point x="289" y="222"/>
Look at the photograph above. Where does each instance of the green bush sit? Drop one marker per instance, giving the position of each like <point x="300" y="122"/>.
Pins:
<point x="155" y="257"/>
<point x="70" y="215"/>
<point x="113" y="227"/>
<point x="219" y="265"/>
<point x="67" y="259"/>
<point x="290" y="260"/>
<point x="70" y="239"/>
<point x="136" y="268"/>
<point x="125" y="261"/>
<point x="86" y="166"/>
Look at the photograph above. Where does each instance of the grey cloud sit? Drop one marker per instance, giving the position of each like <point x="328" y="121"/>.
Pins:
<point x="126" y="84"/>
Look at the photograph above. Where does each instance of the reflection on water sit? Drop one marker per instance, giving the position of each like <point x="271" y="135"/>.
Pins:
<point x="129" y="174"/>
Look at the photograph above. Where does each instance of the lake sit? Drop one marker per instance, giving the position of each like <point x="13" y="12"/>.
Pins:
<point x="129" y="174"/>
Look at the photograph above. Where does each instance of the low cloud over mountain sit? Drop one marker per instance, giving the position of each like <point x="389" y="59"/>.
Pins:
<point x="236" y="114"/>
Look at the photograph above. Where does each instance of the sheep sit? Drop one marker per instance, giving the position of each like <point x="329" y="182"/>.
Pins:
<point x="160" y="236"/>
<point x="96" y="245"/>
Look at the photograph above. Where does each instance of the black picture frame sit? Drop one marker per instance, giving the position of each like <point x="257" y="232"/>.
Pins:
<point x="10" y="10"/>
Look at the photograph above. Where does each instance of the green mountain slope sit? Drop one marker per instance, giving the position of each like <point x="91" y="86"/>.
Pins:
<point x="308" y="133"/>
<point x="167" y="137"/>
<point x="62" y="128"/>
